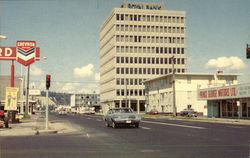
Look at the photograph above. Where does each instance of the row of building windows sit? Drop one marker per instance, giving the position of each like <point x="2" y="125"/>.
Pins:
<point x="149" y="60"/>
<point x="135" y="49"/>
<point x="129" y="81"/>
<point x="146" y="28"/>
<point x="154" y="71"/>
<point x="130" y="92"/>
<point x="149" y="39"/>
<point x="150" y="18"/>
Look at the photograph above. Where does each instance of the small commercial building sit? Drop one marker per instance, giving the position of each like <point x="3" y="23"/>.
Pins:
<point x="227" y="101"/>
<point x="160" y="91"/>
<point x="85" y="100"/>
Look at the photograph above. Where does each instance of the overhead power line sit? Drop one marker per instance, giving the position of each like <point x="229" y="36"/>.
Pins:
<point x="66" y="81"/>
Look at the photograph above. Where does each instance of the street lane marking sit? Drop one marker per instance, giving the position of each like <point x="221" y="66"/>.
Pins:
<point x="99" y="120"/>
<point x="145" y="128"/>
<point x="171" y="124"/>
<point x="234" y="127"/>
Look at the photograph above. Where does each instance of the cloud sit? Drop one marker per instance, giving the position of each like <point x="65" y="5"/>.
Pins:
<point x="227" y="63"/>
<point x="69" y="87"/>
<point x="35" y="71"/>
<point x="97" y="76"/>
<point x="84" y="71"/>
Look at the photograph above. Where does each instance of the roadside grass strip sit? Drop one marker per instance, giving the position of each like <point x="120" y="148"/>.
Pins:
<point x="171" y="124"/>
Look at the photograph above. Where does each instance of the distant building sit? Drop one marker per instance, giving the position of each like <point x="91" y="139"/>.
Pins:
<point x="137" y="42"/>
<point x="77" y="100"/>
<point x="159" y="90"/>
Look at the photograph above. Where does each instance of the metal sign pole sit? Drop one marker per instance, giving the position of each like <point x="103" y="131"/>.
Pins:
<point x="26" y="114"/>
<point x="47" y="111"/>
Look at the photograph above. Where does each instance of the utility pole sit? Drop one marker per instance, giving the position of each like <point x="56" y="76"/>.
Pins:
<point x="26" y="113"/>
<point x="126" y="97"/>
<point x="173" y="82"/>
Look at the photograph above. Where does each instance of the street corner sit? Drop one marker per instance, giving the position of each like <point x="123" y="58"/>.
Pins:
<point x="17" y="131"/>
<point x="64" y="127"/>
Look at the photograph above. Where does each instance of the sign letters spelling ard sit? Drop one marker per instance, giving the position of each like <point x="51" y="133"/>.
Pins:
<point x="25" y="52"/>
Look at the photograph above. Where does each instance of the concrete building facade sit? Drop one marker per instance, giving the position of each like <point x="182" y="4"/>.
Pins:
<point x="84" y="100"/>
<point x="137" y="42"/>
<point x="159" y="91"/>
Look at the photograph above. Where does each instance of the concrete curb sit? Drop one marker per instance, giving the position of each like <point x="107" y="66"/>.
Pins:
<point x="45" y="132"/>
<point x="208" y="120"/>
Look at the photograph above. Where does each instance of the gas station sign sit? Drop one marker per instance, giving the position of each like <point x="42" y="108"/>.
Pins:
<point x="10" y="53"/>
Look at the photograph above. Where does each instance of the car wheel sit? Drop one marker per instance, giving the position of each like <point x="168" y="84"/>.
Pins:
<point x="136" y="125"/>
<point x="106" y="123"/>
<point x="113" y="124"/>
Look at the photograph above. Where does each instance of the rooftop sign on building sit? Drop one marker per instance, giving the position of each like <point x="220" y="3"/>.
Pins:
<point x="138" y="5"/>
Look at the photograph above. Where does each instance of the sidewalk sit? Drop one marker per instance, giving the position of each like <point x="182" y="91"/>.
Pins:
<point x="202" y="119"/>
<point x="36" y="125"/>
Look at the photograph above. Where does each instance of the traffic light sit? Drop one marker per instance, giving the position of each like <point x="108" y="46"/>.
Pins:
<point x="48" y="77"/>
<point x="248" y="52"/>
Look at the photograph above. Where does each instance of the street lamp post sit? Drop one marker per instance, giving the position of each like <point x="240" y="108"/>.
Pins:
<point x="174" y="97"/>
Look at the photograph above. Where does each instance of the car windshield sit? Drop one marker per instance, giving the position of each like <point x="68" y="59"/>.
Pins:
<point x="122" y="111"/>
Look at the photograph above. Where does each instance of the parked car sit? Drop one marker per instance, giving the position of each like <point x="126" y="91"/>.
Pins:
<point x="121" y="116"/>
<point x="153" y="112"/>
<point x="4" y="121"/>
<point x="188" y="113"/>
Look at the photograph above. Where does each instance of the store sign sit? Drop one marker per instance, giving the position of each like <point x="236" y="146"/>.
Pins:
<point x="243" y="90"/>
<point x="217" y="93"/>
<point x="236" y="91"/>
<point x="11" y="98"/>
<point x="9" y="53"/>
<point x="26" y="52"/>
<point x="34" y="92"/>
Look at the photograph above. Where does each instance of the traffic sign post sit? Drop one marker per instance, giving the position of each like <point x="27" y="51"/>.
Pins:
<point x="48" y="78"/>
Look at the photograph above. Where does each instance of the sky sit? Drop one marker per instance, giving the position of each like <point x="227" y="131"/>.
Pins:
<point x="67" y="32"/>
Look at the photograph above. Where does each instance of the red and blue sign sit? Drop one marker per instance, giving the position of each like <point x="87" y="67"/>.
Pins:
<point x="25" y="52"/>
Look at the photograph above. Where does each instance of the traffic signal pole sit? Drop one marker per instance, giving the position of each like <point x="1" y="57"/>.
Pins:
<point x="47" y="111"/>
<point x="248" y="51"/>
<point x="48" y="77"/>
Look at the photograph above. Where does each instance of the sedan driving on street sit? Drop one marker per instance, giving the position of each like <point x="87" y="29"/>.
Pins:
<point x="121" y="116"/>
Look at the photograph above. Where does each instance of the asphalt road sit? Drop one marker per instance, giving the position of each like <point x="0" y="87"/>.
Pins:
<point x="156" y="138"/>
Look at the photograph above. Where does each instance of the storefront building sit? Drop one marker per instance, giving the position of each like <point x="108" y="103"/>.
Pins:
<point x="228" y="101"/>
<point x="159" y="91"/>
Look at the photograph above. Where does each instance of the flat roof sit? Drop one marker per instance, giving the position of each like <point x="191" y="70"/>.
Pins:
<point x="193" y="74"/>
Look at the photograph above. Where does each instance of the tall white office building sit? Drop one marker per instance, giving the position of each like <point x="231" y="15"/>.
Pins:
<point x="137" y="42"/>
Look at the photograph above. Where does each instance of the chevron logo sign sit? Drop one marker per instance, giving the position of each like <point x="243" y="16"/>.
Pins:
<point x="26" y="52"/>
